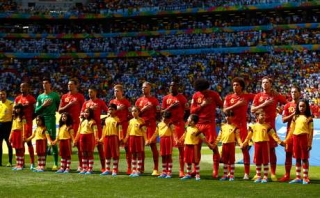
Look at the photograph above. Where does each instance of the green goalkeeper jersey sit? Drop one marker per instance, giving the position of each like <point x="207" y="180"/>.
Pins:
<point x="48" y="110"/>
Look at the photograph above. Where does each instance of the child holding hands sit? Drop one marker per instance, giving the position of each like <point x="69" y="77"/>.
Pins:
<point x="41" y="136"/>
<point x="136" y="137"/>
<point x="111" y="136"/>
<point x="228" y="135"/>
<point x="17" y="135"/>
<point x="65" y="138"/>
<point x="192" y="153"/>
<point x="301" y="130"/>
<point x="166" y="131"/>
<point x="87" y="137"/>
<point x="259" y="132"/>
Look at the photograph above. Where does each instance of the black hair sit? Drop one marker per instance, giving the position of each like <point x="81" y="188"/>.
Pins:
<point x="166" y="115"/>
<point x="42" y="119"/>
<point x="68" y="122"/>
<point x="307" y="112"/>
<point x="112" y="106"/>
<point x="21" y="113"/>
<point x="201" y="85"/>
<point x="194" y="118"/>
<point x="240" y="81"/>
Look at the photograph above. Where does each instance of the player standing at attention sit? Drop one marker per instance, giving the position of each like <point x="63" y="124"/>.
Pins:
<point x="71" y="103"/>
<point x="204" y="103"/>
<point x="28" y="102"/>
<point x="47" y="105"/>
<point x="149" y="108"/>
<point x="238" y="103"/>
<point x="287" y="115"/>
<point x="97" y="105"/>
<point x="123" y="113"/>
<point x="176" y="104"/>
<point x="267" y="100"/>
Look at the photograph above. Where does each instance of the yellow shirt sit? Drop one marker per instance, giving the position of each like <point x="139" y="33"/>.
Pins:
<point x="302" y="125"/>
<point x="40" y="133"/>
<point x="228" y="133"/>
<point x="192" y="136"/>
<point x="88" y="127"/>
<point x="164" y="129"/>
<point x="260" y="133"/>
<point x="65" y="132"/>
<point x="136" y="127"/>
<point x="6" y="109"/>
<point x="112" y="127"/>
<point x="17" y="124"/>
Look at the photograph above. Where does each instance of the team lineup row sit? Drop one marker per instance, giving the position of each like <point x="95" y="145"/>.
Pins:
<point x="80" y="124"/>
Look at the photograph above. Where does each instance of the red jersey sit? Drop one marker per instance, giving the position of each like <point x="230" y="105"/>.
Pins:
<point x="207" y="114"/>
<point x="177" y="112"/>
<point x="28" y="103"/>
<point x="149" y="114"/>
<point x="315" y="110"/>
<point x="124" y="113"/>
<point x="98" y="105"/>
<point x="75" y="109"/>
<point x="240" y="112"/>
<point x="270" y="110"/>
<point x="288" y="109"/>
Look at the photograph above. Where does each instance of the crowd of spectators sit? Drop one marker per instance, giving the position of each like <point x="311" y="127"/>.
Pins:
<point x="128" y="6"/>
<point x="164" y="42"/>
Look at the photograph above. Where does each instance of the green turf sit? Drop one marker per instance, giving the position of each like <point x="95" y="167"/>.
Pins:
<point x="49" y="184"/>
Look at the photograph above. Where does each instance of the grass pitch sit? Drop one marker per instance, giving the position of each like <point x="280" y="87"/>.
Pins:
<point x="26" y="183"/>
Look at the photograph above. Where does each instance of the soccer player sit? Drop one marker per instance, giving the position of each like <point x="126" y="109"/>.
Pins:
<point x="267" y="100"/>
<point x="71" y="103"/>
<point x="287" y="115"/>
<point x="204" y="103"/>
<point x="46" y="106"/>
<point x="149" y="108"/>
<point x="176" y="104"/>
<point x="97" y="105"/>
<point x="238" y="103"/>
<point x="123" y="113"/>
<point x="28" y="102"/>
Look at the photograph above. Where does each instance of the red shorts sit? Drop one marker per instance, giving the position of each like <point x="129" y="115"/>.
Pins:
<point x="300" y="146"/>
<point x="65" y="148"/>
<point x="41" y="147"/>
<point x="179" y="128"/>
<point x="111" y="147"/>
<point x="136" y="144"/>
<point x="87" y="142"/>
<point x="228" y="153"/>
<point x="16" y="139"/>
<point x="261" y="152"/>
<point x="209" y="130"/>
<point x="191" y="154"/>
<point x="151" y="128"/>
<point x="166" y="143"/>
